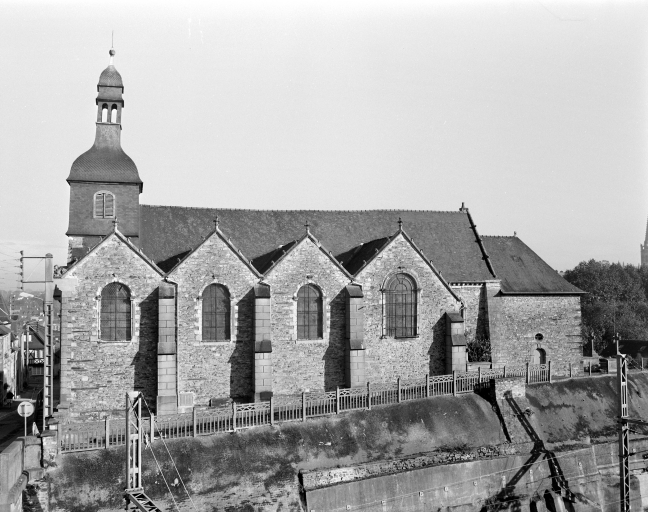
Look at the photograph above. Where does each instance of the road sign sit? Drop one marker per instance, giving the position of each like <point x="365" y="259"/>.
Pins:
<point x="25" y="409"/>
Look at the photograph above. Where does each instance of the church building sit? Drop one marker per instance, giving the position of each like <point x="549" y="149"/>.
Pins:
<point x="197" y="306"/>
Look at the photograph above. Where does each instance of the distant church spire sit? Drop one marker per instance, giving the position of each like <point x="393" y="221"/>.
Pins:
<point x="644" y="250"/>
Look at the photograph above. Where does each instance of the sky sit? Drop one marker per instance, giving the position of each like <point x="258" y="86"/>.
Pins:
<point x="532" y="113"/>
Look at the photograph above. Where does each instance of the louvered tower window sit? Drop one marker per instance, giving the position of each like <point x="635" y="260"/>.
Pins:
<point x="216" y="313"/>
<point x="104" y="205"/>
<point x="115" y="313"/>
<point x="309" y="313"/>
<point x="400" y="307"/>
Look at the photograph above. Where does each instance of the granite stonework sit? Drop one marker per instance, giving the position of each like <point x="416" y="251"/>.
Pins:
<point x="307" y="365"/>
<point x="97" y="374"/>
<point x="210" y="369"/>
<point x="475" y="311"/>
<point x="409" y="358"/>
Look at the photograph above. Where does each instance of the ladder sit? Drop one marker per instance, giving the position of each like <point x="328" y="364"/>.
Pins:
<point x="140" y="500"/>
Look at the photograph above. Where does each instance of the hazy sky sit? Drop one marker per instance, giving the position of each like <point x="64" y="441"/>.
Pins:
<point x="533" y="113"/>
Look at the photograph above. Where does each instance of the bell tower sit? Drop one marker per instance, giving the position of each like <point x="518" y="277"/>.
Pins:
<point x="104" y="182"/>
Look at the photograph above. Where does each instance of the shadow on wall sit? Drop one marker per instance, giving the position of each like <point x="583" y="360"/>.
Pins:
<point x="481" y="329"/>
<point x="145" y="360"/>
<point x="436" y="352"/>
<point x="242" y="359"/>
<point x="334" y="356"/>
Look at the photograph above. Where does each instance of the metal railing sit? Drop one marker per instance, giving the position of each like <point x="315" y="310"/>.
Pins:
<point x="279" y="409"/>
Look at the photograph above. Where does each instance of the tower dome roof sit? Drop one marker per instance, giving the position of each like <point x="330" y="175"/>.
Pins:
<point x="110" y="77"/>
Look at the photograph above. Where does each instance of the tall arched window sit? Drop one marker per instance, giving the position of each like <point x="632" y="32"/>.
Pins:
<point x="309" y="313"/>
<point x="400" y="307"/>
<point x="104" y="205"/>
<point x="104" y="113"/>
<point x="216" y="313"/>
<point x="116" y="313"/>
<point x="113" y="114"/>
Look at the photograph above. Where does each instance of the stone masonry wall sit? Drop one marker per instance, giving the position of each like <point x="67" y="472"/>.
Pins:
<point x="99" y="373"/>
<point x="313" y="365"/>
<point x="215" y="369"/>
<point x="411" y="358"/>
<point x="558" y="319"/>
<point x="476" y="313"/>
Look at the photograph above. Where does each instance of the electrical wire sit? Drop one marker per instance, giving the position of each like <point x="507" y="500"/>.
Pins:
<point x="172" y="461"/>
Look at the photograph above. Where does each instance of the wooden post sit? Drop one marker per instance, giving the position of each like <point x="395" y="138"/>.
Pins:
<point x="399" y="389"/>
<point x="368" y="396"/>
<point x="549" y="368"/>
<point x="234" y="416"/>
<point x="337" y="399"/>
<point x="527" y="372"/>
<point x="570" y="370"/>
<point x="303" y="406"/>
<point x="642" y="363"/>
<point x="195" y="422"/>
<point x="427" y="385"/>
<point x="271" y="410"/>
<point x="107" y="433"/>
<point x="454" y="382"/>
<point x="504" y="371"/>
<point x="589" y="368"/>
<point x="479" y="375"/>
<point x="152" y="427"/>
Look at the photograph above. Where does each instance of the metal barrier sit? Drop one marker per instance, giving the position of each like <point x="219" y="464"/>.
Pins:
<point x="111" y="433"/>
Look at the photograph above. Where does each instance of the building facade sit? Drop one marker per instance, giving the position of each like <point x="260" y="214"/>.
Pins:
<point x="197" y="306"/>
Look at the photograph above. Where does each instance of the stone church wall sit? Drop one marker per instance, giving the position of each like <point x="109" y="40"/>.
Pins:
<point x="557" y="319"/>
<point x="313" y="365"/>
<point x="476" y="312"/>
<point x="411" y="358"/>
<point x="96" y="373"/>
<point x="215" y="369"/>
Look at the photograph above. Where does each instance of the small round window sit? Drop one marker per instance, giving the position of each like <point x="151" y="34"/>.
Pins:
<point x="539" y="337"/>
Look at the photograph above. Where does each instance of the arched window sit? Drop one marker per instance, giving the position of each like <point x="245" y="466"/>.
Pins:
<point x="216" y="313"/>
<point x="400" y="307"/>
<point x="104" y="113"/>
<point x="309" y="313"/>
<point x="113" y="114"/>
<point x="116" y="313"/>
<point x="104" y="205"/>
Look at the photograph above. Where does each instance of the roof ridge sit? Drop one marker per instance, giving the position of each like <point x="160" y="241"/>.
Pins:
<point x="294" y="210"/>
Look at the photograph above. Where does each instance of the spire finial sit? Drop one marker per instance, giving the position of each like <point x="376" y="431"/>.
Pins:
<point x="216" y="222"/>
<point x="400" y="224"/>
<point x="307" y="226"/>
<point x="111" y="52"/>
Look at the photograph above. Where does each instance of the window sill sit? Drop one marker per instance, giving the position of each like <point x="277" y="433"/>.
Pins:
<point x="404" y="338"/>
<point x="116" y="342"/>
<point x="311" y="342"/>
<point x="214" y="343"/>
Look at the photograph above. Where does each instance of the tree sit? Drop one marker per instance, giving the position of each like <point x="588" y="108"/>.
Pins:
<point x="616" y="300"/>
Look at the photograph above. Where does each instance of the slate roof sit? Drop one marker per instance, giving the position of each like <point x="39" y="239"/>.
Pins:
<point x="105" y="161"/>
<point x="110" y="77"/>
<point x="166" y="232"/>
<point x="522" y="270"/>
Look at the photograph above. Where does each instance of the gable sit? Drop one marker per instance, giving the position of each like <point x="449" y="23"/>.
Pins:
<point x="445" y="237"/>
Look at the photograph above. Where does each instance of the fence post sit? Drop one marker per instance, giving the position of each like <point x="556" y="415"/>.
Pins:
<point x="527" y="372"/>
<point x="570" y="370"/>
<point x="195" y="422"/>
<point x="303" y="405"/>
<point x="399" y="389"/>
<point x="479" y="375"/>
<point x="642" y="363"/>
<point x="107" y="433"/>
<point x="337" y="399"/>
<point x="589" y="368"/>
<point x="427" y="385"/>
<point x="454" y="382"/>
<point x="549" y="368"/>
<point x="271" y="410"/>
<point x="368" y="396"/>
<point x="504" y="371"/>
<point x="234" y="416"/>
<point x="152" y="428"/>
